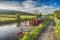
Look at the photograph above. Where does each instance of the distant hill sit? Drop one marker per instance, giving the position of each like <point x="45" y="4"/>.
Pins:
<point x="12" y="12"/>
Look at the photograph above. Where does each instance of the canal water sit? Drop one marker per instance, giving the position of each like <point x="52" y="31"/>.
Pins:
<point x="9" y="32"/>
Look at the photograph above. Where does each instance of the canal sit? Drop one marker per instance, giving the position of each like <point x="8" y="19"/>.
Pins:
<point x="9" y="32"/>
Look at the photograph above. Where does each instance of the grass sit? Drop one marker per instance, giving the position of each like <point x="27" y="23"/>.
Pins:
<point x="35" y="32"/>
<point x="57" y="29"/>
<point x="7" y="19"/>
<point x="27" y="17"/>
<point x="22" y="16"/>
<point x="13" y="17"/>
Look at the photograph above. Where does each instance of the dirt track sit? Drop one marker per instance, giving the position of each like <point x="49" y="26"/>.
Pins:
<point x="48" y="33"/>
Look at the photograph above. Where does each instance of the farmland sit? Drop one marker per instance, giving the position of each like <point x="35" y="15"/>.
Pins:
<point x="7" y="18"/>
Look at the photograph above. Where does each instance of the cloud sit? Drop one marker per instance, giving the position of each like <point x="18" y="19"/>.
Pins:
<point x="10" y="5"/>
<point x="27" y="6"/>
<point x="30" y="6"/>
<point x="46" y="9"/>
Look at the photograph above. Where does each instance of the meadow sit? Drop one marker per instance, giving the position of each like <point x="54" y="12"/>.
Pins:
<point x="12" y="18"/>
<point x="22" y="16"/>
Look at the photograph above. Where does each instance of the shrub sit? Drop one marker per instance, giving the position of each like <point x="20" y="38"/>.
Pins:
<point x="18" y="17"/>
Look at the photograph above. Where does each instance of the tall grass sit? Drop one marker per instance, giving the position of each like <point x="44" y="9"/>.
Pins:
<point x="57" y="29"/>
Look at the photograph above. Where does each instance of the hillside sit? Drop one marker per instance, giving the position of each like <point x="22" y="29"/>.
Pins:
<point x="12" y="12"/>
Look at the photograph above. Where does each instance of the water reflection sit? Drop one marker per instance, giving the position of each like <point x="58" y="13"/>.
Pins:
<point x="25" y="27"/>
<point x="8" y="32"/>
<point x="18" y="24"/>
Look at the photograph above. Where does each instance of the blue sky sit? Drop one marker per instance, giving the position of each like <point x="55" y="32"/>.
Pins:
<point x="44" y="6"/>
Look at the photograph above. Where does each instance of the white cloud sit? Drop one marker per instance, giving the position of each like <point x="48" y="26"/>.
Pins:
<point x="42" y="9"/>
<point x="27" y="6"/>
<point x="10" y="5"/>
<point x="46" y="9"/>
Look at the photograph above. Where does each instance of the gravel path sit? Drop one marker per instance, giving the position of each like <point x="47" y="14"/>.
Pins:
<point x="48" y="33"/>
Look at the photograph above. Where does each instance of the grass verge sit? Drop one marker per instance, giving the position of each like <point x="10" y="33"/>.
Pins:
<point x="57" y="28"/>
<point x="35" y="32"/>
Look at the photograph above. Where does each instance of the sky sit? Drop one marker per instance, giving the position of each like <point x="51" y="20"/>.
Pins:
<point x="44" y="6"/>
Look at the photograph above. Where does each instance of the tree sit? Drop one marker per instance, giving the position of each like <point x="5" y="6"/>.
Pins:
<point x="18" y="17"/>
<point x="18" y="20"/>
<point x="37" y="14"/>
<point x="57" y="13"/>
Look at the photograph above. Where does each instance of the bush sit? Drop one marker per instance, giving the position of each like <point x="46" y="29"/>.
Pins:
<point x="57" y="29"/>
<point x="18" y="17"/>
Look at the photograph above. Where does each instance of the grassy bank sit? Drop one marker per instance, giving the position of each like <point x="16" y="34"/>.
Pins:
<point x="57" y="28"/>
<point x="13" y="16"/>
<point x="35" y="32"/>
<point x="7" y="19"/>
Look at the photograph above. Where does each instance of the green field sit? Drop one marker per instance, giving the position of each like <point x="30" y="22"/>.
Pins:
<point x="11" y="18"/>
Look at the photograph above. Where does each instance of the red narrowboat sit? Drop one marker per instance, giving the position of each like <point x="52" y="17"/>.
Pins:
<point x="38" y="21"/>
<point x="35" y="22"/>
<point x="31" y="22"/>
